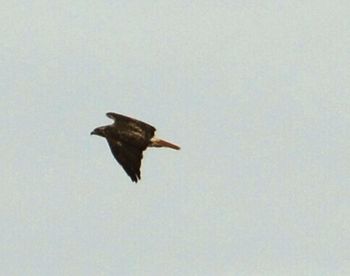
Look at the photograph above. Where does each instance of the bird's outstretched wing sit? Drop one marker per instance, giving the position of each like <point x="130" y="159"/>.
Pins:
<point x="130" y="131"/>
<point x="132" y="124"/>
<point x="128" y="156"/>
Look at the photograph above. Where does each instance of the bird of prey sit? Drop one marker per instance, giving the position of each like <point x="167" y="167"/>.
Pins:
<point x="127" y="139"/>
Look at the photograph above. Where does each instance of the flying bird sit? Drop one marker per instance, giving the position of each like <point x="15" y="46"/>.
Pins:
<point x="127" y="139"/>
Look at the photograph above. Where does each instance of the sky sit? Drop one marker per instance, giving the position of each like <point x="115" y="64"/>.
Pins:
<point x="256" y="93"/>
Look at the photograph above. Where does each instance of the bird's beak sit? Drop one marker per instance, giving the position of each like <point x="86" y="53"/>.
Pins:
<point x="98" y="131"/>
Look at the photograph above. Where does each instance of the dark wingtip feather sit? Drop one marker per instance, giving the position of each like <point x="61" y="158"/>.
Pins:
<point x="135" y="178"/>
<point x="110" y="115"/>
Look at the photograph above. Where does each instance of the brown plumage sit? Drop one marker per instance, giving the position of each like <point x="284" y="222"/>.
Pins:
<point x="127" y="139"/>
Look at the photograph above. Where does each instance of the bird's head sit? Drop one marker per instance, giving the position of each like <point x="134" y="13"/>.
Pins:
<point x="100" y="131"/>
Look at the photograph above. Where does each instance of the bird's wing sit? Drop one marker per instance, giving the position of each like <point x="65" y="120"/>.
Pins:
<point x="132" y="123"/>
<point x="128" y="157"/>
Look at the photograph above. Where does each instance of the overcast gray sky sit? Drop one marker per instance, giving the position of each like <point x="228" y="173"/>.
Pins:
<point x="255" y="92"/>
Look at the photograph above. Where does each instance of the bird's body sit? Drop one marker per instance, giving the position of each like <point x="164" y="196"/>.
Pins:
<point x="127" y="139"/>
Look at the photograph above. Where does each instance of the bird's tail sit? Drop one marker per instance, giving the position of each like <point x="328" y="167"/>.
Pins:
<point x="156" y="142"/>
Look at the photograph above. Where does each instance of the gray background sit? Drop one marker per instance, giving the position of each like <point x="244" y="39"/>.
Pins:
<point x="255" y="92"/>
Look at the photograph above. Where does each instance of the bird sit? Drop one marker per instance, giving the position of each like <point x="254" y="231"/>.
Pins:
<point x="127" y="139"/>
